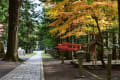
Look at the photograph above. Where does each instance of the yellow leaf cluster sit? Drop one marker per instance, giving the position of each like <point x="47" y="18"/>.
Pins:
<point x="77" y="14"/>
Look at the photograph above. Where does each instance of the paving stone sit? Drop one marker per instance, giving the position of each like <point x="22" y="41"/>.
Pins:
<point x="29" y="70"/>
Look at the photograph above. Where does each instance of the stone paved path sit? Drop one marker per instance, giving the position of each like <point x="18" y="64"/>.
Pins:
<point x="32" y="69"/>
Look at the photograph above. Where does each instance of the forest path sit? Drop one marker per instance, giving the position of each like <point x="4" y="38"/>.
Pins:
<point x="32" y="69"/>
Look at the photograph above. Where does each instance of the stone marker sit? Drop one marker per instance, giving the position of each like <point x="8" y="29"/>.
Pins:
<point x="21" y="51"/>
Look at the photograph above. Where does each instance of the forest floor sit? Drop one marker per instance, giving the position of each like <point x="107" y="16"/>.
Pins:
<point x="54" y="70"/>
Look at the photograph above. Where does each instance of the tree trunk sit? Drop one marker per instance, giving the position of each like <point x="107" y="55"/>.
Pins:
<point x="68" y="54"/>
<point x="2" y="52"/>
<point x="58" y="52"/>
<point x="114" y="54"/>
<point x="109" y="67"/>
<point x="11" y="54"/>
<point x="101" y="39"/>
<point x="88" y="53"/>
<point x="119" y="25"/>
<point x="107" y="39"/>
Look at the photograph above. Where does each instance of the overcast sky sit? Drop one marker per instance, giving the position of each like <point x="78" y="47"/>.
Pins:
<point x="37" y="2"/>
<point x="38" y="8"/>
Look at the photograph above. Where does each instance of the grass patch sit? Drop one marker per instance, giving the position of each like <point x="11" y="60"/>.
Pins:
<point x="46" y="55"/>
<point x="29" y="55"/>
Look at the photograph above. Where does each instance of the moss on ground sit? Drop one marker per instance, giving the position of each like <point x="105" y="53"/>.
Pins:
<point x="46" y="55"/>
<point x="28" y="55"/>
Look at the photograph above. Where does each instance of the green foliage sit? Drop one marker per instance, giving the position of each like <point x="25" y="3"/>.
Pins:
<point x="4" y="4"/>
<point x="48" y="42"/>
<point x="46" y="55"/>
<point x="89" y="1"/>
<point x="3" y="11"/>
<point x="82" y="39"/>
<point x="45" y="38"/>
<point x="28" y="25"/>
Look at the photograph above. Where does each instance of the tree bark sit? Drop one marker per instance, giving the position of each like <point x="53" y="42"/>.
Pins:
<point x="2" y="52"/>
<point x="109" y="67"/>
<point x="11" y="54"/>
<point x="68" y="54"/>
<point x="119" y="25"/>
<point x="88" y="53"/>
<point x="114" y="53"/>
<point x="101" y="39"/>
<point x="107" y="39"/>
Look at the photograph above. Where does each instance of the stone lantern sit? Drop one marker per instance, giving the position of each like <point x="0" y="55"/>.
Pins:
<point x="80" y="56"/>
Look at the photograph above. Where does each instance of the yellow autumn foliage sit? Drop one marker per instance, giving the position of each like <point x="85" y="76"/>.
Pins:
<point x="76" y="15"/>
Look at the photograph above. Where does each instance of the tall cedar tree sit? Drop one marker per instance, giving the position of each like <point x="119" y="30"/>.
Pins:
<point x="11" y="54"/>
<point x="119" y="24"/>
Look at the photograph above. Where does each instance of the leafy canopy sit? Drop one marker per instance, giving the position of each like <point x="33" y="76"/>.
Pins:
<point x="77" y="17"/>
